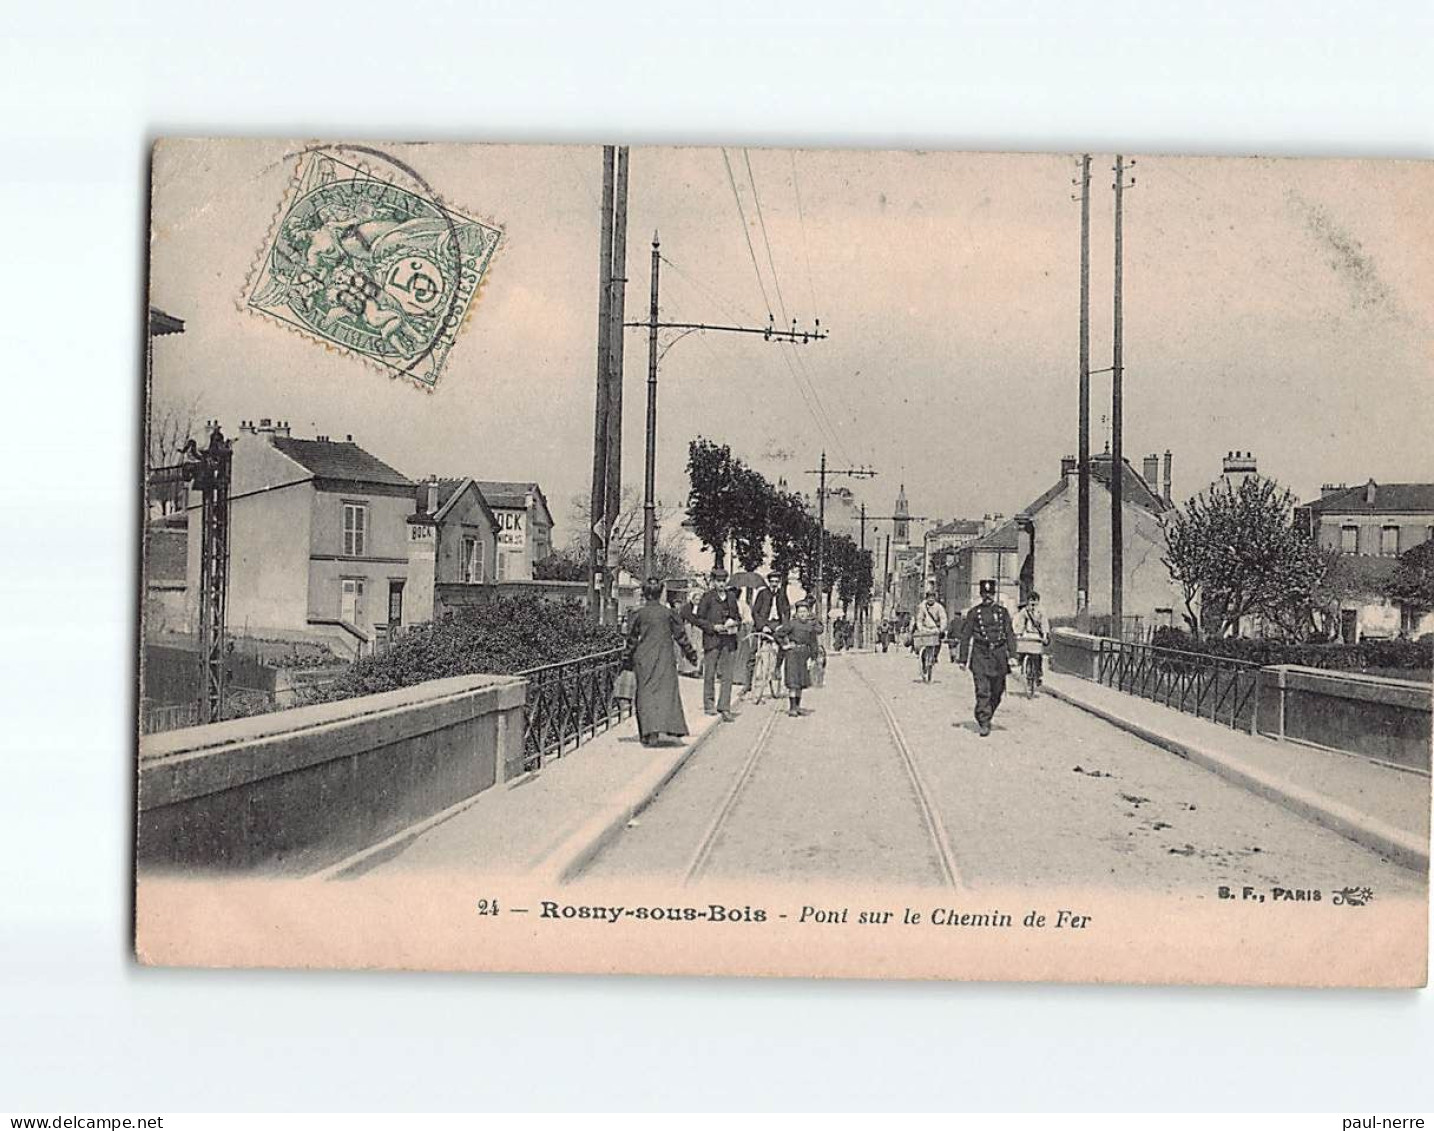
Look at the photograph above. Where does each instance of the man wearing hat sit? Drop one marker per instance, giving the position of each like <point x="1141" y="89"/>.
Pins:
<point x="771" y="609"/>
<point x="720" y="616"/>
<point x="988" y="647"/>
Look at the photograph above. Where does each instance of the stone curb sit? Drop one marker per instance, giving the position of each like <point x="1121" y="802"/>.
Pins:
<point x="582" y="846"/>
<point x="573" y="852"/>
<point x="1352" y="824"/>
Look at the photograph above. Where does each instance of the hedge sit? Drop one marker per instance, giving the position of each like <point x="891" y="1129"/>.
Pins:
<point x="1393" y="654"/>
<point x="503" y="637"/>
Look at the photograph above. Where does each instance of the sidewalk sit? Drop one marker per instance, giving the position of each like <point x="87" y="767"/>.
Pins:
<point x="549" y="823"/>
<point x="1382" y="808"/>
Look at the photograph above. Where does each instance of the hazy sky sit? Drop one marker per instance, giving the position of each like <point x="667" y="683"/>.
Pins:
<point x="1280" y="307"/>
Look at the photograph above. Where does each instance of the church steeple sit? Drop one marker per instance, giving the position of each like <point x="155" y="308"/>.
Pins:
<point x="901" y="529"/>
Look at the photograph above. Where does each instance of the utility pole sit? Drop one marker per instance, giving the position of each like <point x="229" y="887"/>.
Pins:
<point x="649" y="482"/>
<point x="597" y="545"/>
<point x="1083" y="458"/>
<point x="655" y="354"/>
<point x="886" y="578"/>
<point x="1117" y="465"/>
<point x="617" y="282"/>
<point x="861" y="608"/>
<point x="822" y="473"/>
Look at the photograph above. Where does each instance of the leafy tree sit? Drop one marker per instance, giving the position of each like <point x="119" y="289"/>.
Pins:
<point x="849" y="569"/>
<point x="752" y="499"/>
<point x="1234" y="553"/>
<point x="1315" y="615"/>
<point x="792" y="533"/>
<point x="710" y="499"/>
<point x="565" y="564"/>
<point x="1412" y="584"/>
<point x="728" y="499"/>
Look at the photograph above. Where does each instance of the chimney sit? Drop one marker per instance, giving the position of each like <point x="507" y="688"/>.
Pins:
<point x="349" y="439"/>
<point x="1240" y="464"/>
<point x="265" y="423"/>
<point x="246" y="427"/>
<point x="1168" y="491"/>
<point x="1151" y="472"/>
<point x="433" y="494"/>
<point x="1068" y="466"/>
<point x="1369" y="489"/>
<point x="1329" y="489"/>
<point x="281" y="428"/>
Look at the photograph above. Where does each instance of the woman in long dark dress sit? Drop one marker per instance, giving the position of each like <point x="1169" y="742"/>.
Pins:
<point x="800" y="650"/>
<point x="652" y="631"/>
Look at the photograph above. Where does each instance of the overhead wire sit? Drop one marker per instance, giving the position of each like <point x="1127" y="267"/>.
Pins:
<point x="802" y="223"/>
<point x="746" y="232"/>
<point x="736" y="316"/>
<point x="809" y="395"/>
<point x="781" y="302"/>
<point x="762" y="222"/>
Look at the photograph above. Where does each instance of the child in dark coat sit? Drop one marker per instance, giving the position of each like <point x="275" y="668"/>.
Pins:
<point x="799" y="651"/>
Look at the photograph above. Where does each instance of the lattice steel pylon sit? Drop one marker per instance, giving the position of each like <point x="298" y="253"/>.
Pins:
<point x="208" y="472"/>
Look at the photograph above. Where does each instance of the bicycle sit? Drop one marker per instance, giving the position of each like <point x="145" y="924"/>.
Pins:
<point x="929" y="651"/>
<point x="766" y="670"/>
<point x="1031" y="665"/>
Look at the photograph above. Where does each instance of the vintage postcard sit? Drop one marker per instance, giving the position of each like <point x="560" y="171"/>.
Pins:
<point x="787" y="562"/>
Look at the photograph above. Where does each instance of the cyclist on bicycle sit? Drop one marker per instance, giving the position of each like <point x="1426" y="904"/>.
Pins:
<point x="928" y="628"/>
<point x="1033" y="637"/>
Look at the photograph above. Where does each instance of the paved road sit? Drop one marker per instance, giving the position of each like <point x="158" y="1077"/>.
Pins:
<point x="1054" y="796"/>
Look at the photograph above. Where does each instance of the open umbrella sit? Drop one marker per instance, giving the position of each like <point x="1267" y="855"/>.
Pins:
<point x="745" y="581"/>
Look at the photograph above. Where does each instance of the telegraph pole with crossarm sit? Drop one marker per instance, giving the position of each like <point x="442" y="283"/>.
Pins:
<point x="822" y="472"/>
<point x="655" y="353"/>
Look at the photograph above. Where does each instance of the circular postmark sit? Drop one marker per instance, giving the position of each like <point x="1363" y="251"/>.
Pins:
<point x="375" y="264"/>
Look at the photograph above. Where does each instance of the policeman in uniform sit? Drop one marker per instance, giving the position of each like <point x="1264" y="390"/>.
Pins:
<point x="988" y="647"/>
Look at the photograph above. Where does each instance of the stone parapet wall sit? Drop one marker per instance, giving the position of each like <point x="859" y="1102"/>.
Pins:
<point x="298" y="790"/>
<point x="1388" y="719"/>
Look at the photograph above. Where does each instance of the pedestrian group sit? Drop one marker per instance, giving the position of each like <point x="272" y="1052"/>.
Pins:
<point x="768" y="644"/>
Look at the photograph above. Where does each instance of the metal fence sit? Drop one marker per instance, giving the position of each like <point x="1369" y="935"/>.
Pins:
<point x="238" y="703"/>
<point x="1211" y="687"/>
<point x="568" y="702"/>
<point x="156" y="720"/>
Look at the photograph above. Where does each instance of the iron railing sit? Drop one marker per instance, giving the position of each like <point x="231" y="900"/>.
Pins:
<point x="569" y="702"/>
<point x="156" y="720"/>
<point x="1210" y="687"/>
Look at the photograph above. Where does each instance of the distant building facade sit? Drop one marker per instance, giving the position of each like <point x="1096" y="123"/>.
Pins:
<point x="317" y="539"/>
<point x="1370" y="525"/>
<point x="525" y="527"/>
<point x="993" y="556"/>
<point x="1037" y="550"/>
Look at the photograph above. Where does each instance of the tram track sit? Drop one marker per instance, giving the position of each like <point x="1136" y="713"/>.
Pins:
<point x="699" y="860"/>
<point x="930" y="814"/>
<point x="939" y="851"/>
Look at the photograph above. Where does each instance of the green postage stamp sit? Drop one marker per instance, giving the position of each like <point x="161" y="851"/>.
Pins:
<point x="371" y="262"/>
